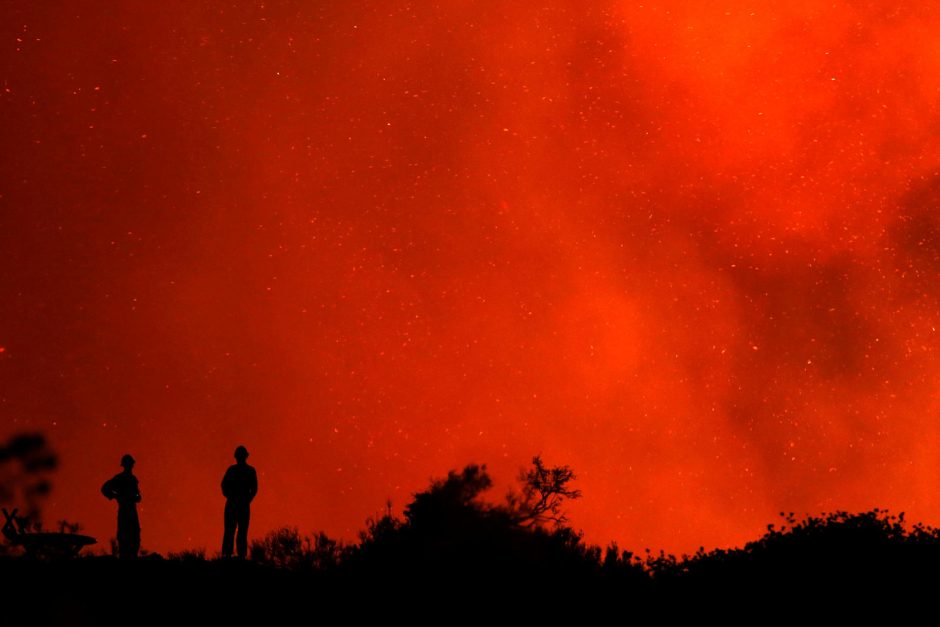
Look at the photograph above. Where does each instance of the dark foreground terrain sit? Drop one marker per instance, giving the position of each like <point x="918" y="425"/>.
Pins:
<point x="845" y="564"/>
<point x="454" y="559"/>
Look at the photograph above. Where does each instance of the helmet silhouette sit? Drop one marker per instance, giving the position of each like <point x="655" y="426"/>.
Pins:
<point x="241" y="453"/>
<point x="127" y="461"/>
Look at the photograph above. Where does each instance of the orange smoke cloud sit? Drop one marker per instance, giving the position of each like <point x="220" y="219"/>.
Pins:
<point x="689" y="250"/>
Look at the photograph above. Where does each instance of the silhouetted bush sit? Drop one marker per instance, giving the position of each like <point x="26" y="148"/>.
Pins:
<point x="835" y="553"/>
<point x="287" y="548"/>
<point x="189" y="555"/>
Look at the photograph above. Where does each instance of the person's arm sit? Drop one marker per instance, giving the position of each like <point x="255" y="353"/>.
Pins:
<point x="252" y="485"/>
<point x="225" y="483"/>
<point x="108" y="489"/>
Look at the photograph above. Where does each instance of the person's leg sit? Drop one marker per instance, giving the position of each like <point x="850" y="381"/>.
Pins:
<point x="128" y="537"/>
<point x="228" y="535"/>
<point x="133" y="543"/>
<point x="241" y="541"/>
<point x="122" y="539"/>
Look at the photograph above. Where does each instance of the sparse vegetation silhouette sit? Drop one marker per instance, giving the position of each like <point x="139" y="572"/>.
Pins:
<point x="451" y="547"/>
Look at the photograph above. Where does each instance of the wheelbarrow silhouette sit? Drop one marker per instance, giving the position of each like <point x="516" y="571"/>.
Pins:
<point x="46" y="545"/>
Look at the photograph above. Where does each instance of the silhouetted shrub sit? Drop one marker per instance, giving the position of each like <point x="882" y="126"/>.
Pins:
<point x="287" y="548"/>
<point x="837" y="552"/>
<point x="189" y="555"/>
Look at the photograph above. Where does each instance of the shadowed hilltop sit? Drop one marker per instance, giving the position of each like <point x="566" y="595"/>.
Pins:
<point x="454" y="553"/>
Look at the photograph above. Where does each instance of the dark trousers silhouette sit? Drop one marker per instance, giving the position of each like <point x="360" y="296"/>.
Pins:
<point x="236" y="516"/>
<point x="128" y="532"/>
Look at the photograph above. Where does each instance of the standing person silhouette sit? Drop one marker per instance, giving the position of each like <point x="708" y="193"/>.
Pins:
<point x="239" y="486"/>
<point x="124" y="487"/>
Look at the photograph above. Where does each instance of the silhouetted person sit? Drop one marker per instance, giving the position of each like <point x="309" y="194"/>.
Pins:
<point x="123" y="487"/>
<point x="239" y="486"/>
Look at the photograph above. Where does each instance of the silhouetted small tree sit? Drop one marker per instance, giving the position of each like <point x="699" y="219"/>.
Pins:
<point x="26" y="462"/>
<point x="544" y="491"/>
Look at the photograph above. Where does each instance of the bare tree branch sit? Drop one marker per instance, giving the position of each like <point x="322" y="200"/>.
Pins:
<point x="544" y="491"/>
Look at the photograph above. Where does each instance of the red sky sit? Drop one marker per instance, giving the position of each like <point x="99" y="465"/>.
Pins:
<point x="690" y="249"/>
